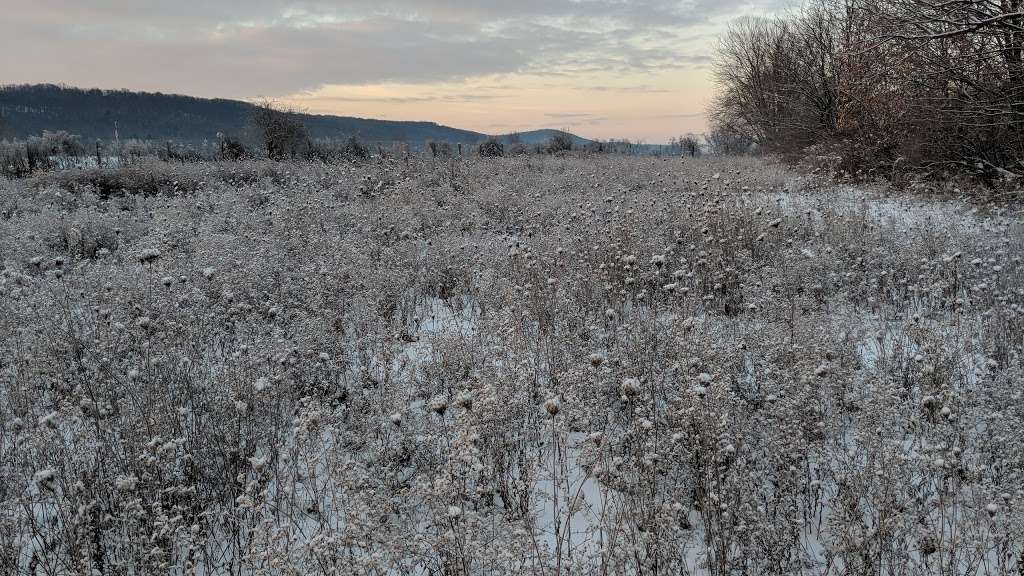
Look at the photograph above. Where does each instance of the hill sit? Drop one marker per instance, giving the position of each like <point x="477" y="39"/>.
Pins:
<point x="94" y="114"/>
<point x="539" y="137"/>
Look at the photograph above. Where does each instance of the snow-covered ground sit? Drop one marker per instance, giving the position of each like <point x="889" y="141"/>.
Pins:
<point x="530" y="365"/>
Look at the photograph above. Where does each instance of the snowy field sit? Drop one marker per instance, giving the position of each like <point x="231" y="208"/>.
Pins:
<point x="534" y="365"/>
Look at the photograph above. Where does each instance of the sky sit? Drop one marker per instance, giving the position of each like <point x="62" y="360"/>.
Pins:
<point x="599" y="68"/>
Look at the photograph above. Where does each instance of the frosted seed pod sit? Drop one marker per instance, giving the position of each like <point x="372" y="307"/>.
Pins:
<point x="44" y="478"/>
<point x="126" y="483"/>
<point x="552" y="406"/>
<point x="148" y="255"/>
<point x="49" y="420"/>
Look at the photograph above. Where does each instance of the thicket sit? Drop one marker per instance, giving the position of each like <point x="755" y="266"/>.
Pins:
<point x="880" y="87"/>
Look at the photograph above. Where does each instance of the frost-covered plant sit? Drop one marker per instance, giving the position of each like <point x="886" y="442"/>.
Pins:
<point x="523" y="365"/>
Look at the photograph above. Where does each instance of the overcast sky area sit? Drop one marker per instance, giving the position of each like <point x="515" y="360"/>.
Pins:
<point x="600" y="68"/>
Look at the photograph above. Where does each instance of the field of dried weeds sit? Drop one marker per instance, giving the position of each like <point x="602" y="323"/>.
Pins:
<point x="527" y="365"/>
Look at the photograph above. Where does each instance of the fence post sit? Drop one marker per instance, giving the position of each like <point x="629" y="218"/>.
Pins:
<point x="99" y="157"/>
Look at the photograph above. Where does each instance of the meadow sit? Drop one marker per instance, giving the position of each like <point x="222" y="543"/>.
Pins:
<point x="525" y="365"/>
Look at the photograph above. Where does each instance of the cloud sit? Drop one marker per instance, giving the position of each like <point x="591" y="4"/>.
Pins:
<point x="259" y="59"/>
<point x="686" y="115"/>
<point x="568" y="115"/>
<point x="272" y="48"/>
<point x="441" y="98"/>
<point x="576" y="119"/>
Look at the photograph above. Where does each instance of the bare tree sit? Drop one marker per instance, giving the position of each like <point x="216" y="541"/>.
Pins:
<point x="280" y="131"/>
<point x="962" y="73"/>
<point x="924" y="84"/>
<point x="559" y="142"/>
<point x="690" y="144"/>
<point x="779" y="78"/>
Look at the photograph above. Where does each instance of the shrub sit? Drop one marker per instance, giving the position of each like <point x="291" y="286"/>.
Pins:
<point x="491" y="149"/>
<point x="86" y="239"/>
<point x="133" y="150"/>
<point x="439" y="149"/>
<point x="723" y="141"/>
<point x="280" y="131"/>
<point x="891" y="85"/>
<point x="354" y="149"/>
<point x="560" y="142"/>
<point x="183" y="154"/>
<point x="51" y="150"/>
<point x="518" y="149"/>
<point x="328" y="150"/>
<point x="231" y="148"/>
<point x="147" y="178"/>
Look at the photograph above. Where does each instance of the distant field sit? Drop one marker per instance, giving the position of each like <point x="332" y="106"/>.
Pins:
<point x="532" y="365"/>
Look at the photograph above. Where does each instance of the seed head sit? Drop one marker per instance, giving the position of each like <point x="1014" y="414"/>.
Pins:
<point x="149" y="255"/>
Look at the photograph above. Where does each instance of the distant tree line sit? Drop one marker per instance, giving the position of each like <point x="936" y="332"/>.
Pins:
<point x="270" y="132"/>
<point x="881" y="86"/>
<point x="110" y="115"/>
<point x="279" y="133"/>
